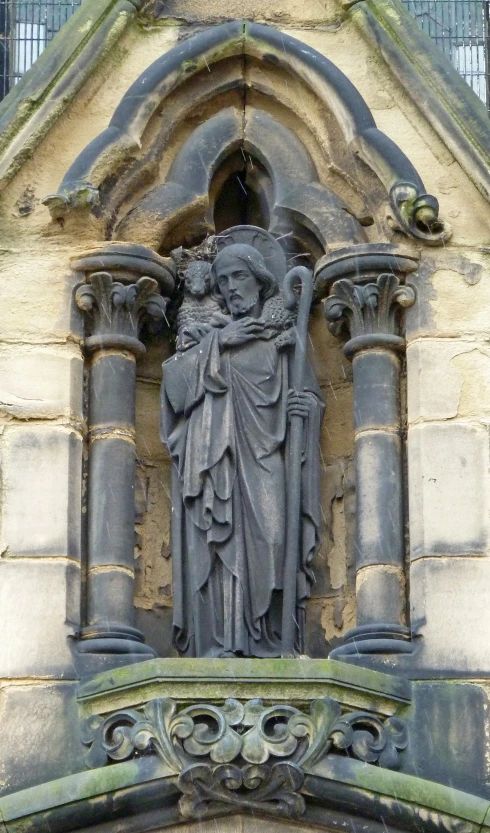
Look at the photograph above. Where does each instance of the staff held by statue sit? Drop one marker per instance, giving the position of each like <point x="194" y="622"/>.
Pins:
<point x="299" y="277"/>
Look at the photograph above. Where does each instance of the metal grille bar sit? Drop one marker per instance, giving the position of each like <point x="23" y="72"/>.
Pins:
<point x="26" y="28"/>
<point x="460" y="28"/>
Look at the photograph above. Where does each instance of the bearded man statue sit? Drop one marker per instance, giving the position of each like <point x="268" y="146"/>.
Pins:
<point x="226" y="404"/>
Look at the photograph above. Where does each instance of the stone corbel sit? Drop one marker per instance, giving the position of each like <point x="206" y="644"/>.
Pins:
<point x="124" y="286"/>
<point x="242" y="756"/>
<point x="367" y="300"/>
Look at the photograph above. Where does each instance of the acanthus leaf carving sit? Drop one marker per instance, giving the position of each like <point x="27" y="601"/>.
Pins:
<point x="371" y="309"/>
<point x="214" y="734"/>
<point x="222" y="755"/>
<point x="118" y="310"/>
<point x="110" y="740"/>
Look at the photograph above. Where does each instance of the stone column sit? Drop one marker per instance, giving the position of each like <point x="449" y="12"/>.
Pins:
<point x="371" y="311"/>
<point x="115" y="312"/>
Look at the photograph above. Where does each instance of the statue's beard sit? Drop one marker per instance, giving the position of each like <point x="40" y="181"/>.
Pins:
<point x="239" y="306"/>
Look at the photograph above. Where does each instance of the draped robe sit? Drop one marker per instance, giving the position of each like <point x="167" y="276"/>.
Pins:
<point x="224" y="421"/>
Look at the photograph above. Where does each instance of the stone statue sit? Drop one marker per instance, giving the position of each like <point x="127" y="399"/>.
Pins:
<point x="226" y="407"/>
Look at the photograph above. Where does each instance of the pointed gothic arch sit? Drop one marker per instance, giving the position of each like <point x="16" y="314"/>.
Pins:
<point x="231" y="46"/>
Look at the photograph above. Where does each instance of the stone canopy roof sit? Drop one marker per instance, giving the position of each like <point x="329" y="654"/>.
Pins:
<point x="443" y="97"/>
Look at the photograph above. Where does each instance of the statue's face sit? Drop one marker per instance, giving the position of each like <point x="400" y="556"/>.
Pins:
<point x="237" y="284"/>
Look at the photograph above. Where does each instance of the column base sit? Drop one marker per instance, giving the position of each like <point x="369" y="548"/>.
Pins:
<point x="376" y="638"/>
<point x="113" y="638"/>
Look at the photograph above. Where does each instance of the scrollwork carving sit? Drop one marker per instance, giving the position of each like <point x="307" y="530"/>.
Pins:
<point x="417" y="215"/>
<point x="126" y="733"/>
<point x="274" y="789"/>
<point x="225" y="755"/>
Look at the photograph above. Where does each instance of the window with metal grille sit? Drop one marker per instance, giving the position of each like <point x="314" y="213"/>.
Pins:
<point x="460" y="28"/>
<point x="26" y="27"/>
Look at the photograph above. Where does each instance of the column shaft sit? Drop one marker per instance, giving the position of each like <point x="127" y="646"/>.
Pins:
<point x="115" y="313"/>
<point x="371" y="313"/>
<point x="379" y="528"/>
<point x="110" y="568"/>
<point x="111" y="491"/>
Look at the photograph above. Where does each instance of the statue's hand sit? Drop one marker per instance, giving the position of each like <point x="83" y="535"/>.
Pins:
<point x="191" y="335"/>
<point x="239" y="332"/>
<point x="298" y="404"/>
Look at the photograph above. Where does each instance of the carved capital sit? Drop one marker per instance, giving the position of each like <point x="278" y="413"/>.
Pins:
<point x="229" y="755"/>
<point x="370" y="312"/>
<point x="115" y="312"/>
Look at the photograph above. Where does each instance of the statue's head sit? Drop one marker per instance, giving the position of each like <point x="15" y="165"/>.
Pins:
<point x="197" y="278"/>
<point x="240" y="278"/>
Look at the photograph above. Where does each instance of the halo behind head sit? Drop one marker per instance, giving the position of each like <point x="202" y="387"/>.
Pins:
<point x="262" y="241"/>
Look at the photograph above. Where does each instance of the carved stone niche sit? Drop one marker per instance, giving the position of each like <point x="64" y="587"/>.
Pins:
<point x="191" y="152"/>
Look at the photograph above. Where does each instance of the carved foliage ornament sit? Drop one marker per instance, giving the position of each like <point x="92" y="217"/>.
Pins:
<point x="369" y="309"/>
<point x="116" y="311"/>
<point x="226" y="755"/>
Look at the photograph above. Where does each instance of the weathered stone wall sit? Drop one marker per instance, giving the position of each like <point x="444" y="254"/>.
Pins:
<point x="448" y="445"/>
<point x="43" y="420"/>
<point x="41" y="451"/>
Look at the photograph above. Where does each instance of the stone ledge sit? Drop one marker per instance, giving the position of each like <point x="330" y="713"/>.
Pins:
<point x="289" y="681"/>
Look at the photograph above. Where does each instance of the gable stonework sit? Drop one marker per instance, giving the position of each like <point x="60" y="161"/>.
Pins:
<point x="383" y="189"/>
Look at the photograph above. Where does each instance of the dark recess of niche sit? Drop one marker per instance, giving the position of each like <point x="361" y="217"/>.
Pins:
<point x="242" y="199"/>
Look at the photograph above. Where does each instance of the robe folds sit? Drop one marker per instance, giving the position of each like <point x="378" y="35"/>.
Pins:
<point x="224" y="421"/>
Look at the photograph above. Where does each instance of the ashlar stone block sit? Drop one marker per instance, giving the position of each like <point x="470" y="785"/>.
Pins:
<point x="450" y="613"/>
<point x="40" y="734"/>
<point x="215" y="10"/>
<point x="452" y="294"/>
<point x="447" y="378"/>
<point x="41" y="474"/>
<point x="39" y="382"/>
<point x="44" y="314"/>
<point x="448" y="489"/>
<point x="461" y="305"/>
<point x="39" y="611"/>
